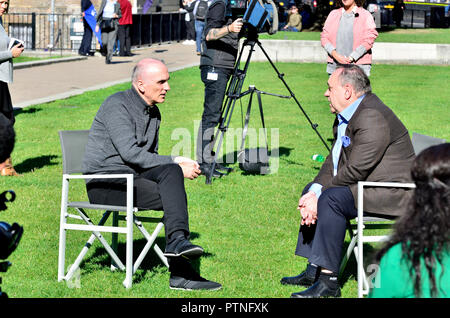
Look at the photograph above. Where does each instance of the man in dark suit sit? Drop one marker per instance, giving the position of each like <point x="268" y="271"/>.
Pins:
<point x="370" y="144"/>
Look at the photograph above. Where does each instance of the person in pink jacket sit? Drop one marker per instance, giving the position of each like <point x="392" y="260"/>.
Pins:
<point x="348" y="36"/>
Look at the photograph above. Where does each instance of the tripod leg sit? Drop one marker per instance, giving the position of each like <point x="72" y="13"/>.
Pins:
<point x="233" y="94"/>
<point x="281" y="77"/>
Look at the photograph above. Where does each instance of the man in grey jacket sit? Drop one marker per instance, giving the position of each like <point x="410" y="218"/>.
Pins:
<point x="124" y="139"/>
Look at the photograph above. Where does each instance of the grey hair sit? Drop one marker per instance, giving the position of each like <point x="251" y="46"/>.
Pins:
<point x="355" y="76"/>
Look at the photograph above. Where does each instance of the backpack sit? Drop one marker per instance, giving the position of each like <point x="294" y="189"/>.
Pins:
<point x="201" y="10"/>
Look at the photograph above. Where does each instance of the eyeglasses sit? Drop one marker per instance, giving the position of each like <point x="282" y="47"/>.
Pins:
<point x="4" y="3"/>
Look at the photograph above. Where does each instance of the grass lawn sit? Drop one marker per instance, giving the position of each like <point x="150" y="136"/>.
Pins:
<point x="247" y="224"/>
<point x="24" y="58"/>
<point x="439" y="36"/>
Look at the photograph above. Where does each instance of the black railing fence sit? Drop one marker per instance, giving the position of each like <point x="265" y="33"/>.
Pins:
<point x="42" y="31"/>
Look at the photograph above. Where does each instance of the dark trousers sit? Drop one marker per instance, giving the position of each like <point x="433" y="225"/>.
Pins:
<point x="158" y="188"/>
<point x="215" y="90"/>
<point x="124" y="39"/>
<point x="190" y="30"/>
<point x="322" y="243"/>
<point x="6" y="106"/>
<point x="85" y="46"/>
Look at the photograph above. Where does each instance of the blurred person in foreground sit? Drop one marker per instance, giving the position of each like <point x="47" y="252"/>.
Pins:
<point x="415" y="262"/>
<point x="124" y="139"/>
<point x="370" y="144"/>
<point x="7" y="54"/>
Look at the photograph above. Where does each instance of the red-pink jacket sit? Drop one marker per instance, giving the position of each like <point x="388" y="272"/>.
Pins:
<point x="364" y="32"/>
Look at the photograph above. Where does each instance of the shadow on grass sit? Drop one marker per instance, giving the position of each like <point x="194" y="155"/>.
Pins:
<point x="28" y="110"/>
<point x="151" y="262"/>
<point x="32" y="164"/>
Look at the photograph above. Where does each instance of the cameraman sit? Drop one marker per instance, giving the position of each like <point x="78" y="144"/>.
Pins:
<point x="220" y="43"/>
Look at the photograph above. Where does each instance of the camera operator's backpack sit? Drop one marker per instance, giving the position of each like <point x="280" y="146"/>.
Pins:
<point x="201" y="10"/>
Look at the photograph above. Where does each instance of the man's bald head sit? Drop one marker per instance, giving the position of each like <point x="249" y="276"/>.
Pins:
<point x="150" y="79"/>
<point x="146" y="65"/>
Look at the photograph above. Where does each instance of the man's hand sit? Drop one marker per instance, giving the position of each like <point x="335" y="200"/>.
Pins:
<point x="191" y="168"/>
<point x="236" y="26"/>
<point x="217" y="33"/>
<point x="17" y="49"/>
<point x="308" y="208"/>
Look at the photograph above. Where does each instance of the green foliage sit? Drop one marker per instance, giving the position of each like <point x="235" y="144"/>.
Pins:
<point x="247" y="224"/>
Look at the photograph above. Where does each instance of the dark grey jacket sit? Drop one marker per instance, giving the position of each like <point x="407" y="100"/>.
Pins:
<point x="380" y="149"/>
<point x="124" y="136"/>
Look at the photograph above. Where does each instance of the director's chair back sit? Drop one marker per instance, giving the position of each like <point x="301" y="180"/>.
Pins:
<point x="73" y="145"/>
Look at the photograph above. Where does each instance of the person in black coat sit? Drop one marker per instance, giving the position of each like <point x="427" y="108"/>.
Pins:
<point x="85" y="46"/>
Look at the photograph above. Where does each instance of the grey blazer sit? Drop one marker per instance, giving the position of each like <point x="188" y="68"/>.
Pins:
<point x="380" y="149"/>
<point x="6" y="66"/>
<point x="117" y="11"/>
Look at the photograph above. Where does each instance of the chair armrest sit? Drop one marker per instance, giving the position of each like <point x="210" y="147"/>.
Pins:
<point x="362" y="184"/>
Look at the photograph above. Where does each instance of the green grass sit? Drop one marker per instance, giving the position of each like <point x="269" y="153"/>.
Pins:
<point x="247" y="224"/>
<point x="24" y="58"/>
<point x="439" y="36"/>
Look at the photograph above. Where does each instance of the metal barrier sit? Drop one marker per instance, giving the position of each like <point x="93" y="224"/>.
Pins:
<point x="42" y="31"/>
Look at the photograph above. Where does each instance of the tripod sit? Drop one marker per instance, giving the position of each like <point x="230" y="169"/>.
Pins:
<point x="233" y="93"/>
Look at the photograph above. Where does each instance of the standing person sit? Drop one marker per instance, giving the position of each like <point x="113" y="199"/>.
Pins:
<point x="7" y="54"/>
<point x="85" y="46"/>
<point x="219" y="52"/>
<point x="370" y="144"/>
<point x="348" y="36"/>
<point x="200" y="9"/>
<point x="125" y="23"/>
<point x="108" y="22"/>
<point x="399" y="7"/>
<point x="294" y="20"/>
<point x="124" y="139"/>
<point x="415" y="262"/>
<point x="188" y="5"/>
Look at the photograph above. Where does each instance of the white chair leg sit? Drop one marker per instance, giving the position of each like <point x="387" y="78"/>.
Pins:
<point x="62" y="230"/>
<point x="114" y="239"/>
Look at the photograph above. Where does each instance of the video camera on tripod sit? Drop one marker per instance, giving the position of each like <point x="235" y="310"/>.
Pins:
<point x="10" y="235"/>
<point x="259" y="16"/>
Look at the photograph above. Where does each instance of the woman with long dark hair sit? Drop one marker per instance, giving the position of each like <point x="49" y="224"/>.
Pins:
<point x="7" y="53"/>
<point x="415" y="262"/>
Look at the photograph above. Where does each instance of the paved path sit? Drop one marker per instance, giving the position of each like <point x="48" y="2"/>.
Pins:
<point x="45" y="83"/>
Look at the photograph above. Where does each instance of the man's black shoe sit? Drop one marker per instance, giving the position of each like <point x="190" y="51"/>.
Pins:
<point x="184" y="277"/>
<point x="319" y="289"/>
<point x="198" y="283"/>
<point x="182" y="247"/>
<point x="302" y="280"/>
